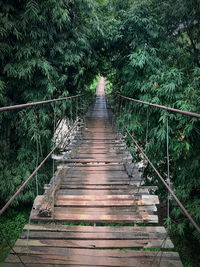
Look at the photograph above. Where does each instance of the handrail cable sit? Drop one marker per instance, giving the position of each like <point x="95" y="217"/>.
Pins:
<point x="35" y="171"/>
<point x="159" y="175"/>
<point x="163" y="181"/>
<point x="191" y="114"/>
<point x="39" y="103"/>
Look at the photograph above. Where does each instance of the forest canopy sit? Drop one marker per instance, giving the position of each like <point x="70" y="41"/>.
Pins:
<point x="147" y="50"/>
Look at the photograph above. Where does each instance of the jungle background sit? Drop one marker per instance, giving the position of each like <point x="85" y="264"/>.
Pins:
<point x="146" y="49"/>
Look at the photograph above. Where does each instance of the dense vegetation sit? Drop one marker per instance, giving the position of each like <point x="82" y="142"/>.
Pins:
<point x="47" y="50"/>
<point x="154" y="56"/>
<point x="11" y="225"/>
<point x="148" y="50"/>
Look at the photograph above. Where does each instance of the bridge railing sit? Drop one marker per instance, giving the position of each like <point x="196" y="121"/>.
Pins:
<point x="164" y="181"/>
<point x="39" y="103"/>
<point x="71" y="128"/>
<point x="192" y="114"/>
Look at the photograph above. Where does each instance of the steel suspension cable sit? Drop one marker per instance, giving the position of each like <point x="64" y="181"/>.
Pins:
<point x="37" y="159"/>
<point x="163" y="181"/>
<point x="71" y="112"/>
<point x="36" y="183"/>
<point x="54" y="144"/>
<point x="168" y="174"/>
<point x="147" y="126"/>
<point x="159" y="251"/>
<point x="148" y="160"/>
<point x="76" y="107"/>
<point x="168" y="199"/>
<point x="192" y="114"/>
<point x="38" y="103"/>
<point x="34" y="172"/>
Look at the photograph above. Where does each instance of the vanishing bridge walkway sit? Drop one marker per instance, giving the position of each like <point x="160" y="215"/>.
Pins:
<point x="99" y="191"/>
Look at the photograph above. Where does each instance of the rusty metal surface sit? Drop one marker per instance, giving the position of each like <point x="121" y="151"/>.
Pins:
<point x="38" y="103"/>
<point x="191" y="114"/>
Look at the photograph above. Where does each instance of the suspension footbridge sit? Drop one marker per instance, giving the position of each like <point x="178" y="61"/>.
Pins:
<point x="96" y="210"/>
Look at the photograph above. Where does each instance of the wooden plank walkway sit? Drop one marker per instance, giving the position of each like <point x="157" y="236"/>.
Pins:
<point x="95" y="187"/>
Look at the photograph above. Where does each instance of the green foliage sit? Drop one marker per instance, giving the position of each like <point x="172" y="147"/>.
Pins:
<point x="47" y="51"/>
<point x="154" y="56"/>
<point x="149" y="50"/>
<point x="11" y="225"/>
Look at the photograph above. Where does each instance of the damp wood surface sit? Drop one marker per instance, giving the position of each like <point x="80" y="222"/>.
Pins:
<point x="98" y="185"/>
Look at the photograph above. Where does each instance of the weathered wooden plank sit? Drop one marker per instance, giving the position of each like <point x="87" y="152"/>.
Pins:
<point x="160" y="231"/>
<point x="140" y="200"/>
<point x="124" y="189"/>
<point x="105" y="143"/>
<point x="99" y="136"/>
<point x="98" y="131"/>
<point x="89" y="181"/>
<point x="89" y="160"/>
<point x="97" y="182"/>
<point x="94" y="218"/>
<point x="76" y="192"/>
<point x="88" y="236"/>
<point x="110" y="140"/>
<point x="49" y="233"/>
<point x="100" y="187"/>
<point x="102" y="203"/>
<point x="97" y="155"/>
<point x="95" y="198"/>
<point x="96" y="259"/>
<point x="96" y="174"/>
<point x="110" y="203"/>
<point x="121" y="210"/>
<point x="102" y="152"/>
<point x="97" y="203"/>
<point x="97" y="146"/>
<point x="96" y="167"/>
<point x="97" y="252"/>
<point x="82" y="191"/>
<point x="166" y="264"/>
<point x="89" y="177"/>
<point x="73" y="243"/>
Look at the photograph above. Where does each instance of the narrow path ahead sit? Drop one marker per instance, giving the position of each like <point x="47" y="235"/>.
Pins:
<point x="98" y="190"/>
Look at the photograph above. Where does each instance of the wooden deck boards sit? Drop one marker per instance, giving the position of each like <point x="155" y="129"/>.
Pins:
<point x="95" y="188"/>
<point x="66" y="245"/>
